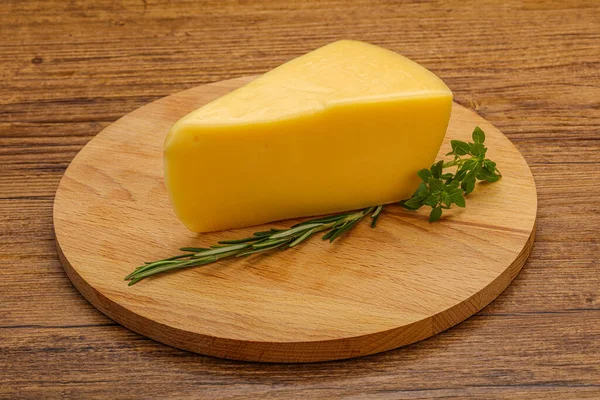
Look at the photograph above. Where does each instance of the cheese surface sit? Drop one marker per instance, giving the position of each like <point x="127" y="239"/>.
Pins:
<point x="343" y="127"/>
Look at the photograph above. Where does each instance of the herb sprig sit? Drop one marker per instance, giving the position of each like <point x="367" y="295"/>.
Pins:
<point x="438" y="190"/>
<point x="335" y="225"/>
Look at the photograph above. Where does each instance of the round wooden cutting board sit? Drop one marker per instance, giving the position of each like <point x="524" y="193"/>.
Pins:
<point x="373" y="290"/>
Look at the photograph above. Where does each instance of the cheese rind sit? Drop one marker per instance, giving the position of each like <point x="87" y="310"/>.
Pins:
<point x="344" y="127"/>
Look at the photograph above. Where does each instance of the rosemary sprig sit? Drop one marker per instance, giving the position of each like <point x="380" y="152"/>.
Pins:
<point x="438" y="190"/>
<point x="335" y="225"/>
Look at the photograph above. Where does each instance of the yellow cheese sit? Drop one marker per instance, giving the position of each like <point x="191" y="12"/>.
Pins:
<point x="343" y="127"/>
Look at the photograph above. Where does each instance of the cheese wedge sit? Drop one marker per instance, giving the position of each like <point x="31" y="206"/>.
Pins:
<point x="343" y="127"/>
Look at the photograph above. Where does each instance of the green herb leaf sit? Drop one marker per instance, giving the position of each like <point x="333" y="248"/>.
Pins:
<point x="477" y="149"/>
<point x="487" y="176"/>
<point x="489" y="165"/>
<point x="436" y="185"/>
<point x="459" y="147"/>
<point x="435" y="214"/>
<point x="478" y="135"/>
<point x="459" y="199"/>
<point x="413" y="203"/>
<point x="424" y="174"/>
<point x="469" y="164"/>
<point x="430" y="201"/>
<point x="436" y="169"/>
<point x="468" y="185"/>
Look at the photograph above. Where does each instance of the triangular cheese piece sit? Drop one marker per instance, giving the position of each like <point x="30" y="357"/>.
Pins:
<point x="343" y="127"/>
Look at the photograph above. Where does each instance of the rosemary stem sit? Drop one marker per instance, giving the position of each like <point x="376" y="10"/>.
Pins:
<point x="273" y="239"/>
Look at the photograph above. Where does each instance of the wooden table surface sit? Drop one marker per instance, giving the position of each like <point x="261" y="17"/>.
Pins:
<point x="69" y="69"/>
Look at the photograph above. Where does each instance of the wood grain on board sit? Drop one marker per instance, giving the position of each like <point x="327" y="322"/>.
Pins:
<point x="69" y="69"/>
<point x="371" y="291"/>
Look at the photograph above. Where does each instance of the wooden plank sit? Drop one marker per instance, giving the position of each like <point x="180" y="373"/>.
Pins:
<point x="530" y="67"/>
<point x="531" y="355"/>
